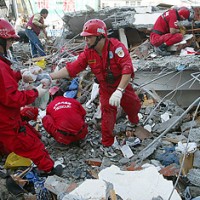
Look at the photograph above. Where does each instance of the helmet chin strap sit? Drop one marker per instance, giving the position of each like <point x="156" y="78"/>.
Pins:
<point x="3" y="43"/>
<point x="98" y="38"/>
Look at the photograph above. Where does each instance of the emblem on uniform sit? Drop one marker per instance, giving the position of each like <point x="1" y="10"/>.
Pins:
<point x="119" y="51"/>
<point x="91" y="62"/>
<point x="110" y="54"/>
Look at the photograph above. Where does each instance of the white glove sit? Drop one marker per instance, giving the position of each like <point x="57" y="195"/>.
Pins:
<point x="35" y="70"/>
<point x="115" y="98"/>
<point x="41" y="90"/>
<point x="28" y="77"/>
<point x="45" y="79"/>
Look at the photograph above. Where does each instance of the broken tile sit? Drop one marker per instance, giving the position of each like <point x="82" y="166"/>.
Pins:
<point x="142" y="133"/>
<point x="170" y="170"/>
<point x="94" y="162"/>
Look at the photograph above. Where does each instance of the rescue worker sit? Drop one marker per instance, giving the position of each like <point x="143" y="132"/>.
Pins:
<point x="166" y="31"/>
<point x="33" y="28"/>
<point x="65" y="117"/>
<point x="111" y="63"/>
<point x="15" y="136"/>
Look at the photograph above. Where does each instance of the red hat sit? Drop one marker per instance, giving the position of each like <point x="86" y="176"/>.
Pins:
<point x="94" y="27"/>
<point x="29" y="113"/>
<point x="7" y="31"/>
<point x="184" y="13"/>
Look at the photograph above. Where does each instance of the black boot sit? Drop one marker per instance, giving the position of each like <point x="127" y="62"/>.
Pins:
<point x="58" y="170"/>
<point x="161" y="50"/>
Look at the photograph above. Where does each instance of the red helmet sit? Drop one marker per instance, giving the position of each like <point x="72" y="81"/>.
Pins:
<point x="94" y="27"/>
<point x="6" y="30"/>
<point x="29" y="113"/>
<point x="184" y="13"/>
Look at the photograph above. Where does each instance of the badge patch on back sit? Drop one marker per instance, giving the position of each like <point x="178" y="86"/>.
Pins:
<point x="119" y="51"/>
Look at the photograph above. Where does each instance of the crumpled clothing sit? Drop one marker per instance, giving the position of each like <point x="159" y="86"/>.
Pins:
<point x="190" y="148"/>
<point x="168" y="157"/>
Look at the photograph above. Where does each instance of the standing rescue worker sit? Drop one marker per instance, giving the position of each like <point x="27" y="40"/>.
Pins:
<point x="166" y="31"/>
<point x="111" y="63"/>
<point x="65" y="117"/>
<point x="15" y="136"/>
<point x="33" y="28"/>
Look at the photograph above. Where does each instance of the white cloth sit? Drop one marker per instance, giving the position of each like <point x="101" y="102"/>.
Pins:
<point x="35" y="70"/>
<point x="94" y="94"/>
<point x="28" y="77"/>
<point x="41" y="90"/>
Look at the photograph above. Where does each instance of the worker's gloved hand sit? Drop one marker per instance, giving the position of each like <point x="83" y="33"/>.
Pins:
<point x="45" y="79"/>
<point x="28" y="77"/>
<point x="41" y="90"/>
<point x="182" y="30"/>
<point x="115" y="98"/>
<point x="35" y="70"/>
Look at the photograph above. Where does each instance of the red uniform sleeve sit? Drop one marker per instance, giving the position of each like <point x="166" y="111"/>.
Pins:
<point x="10" y="95"/>
<point x="17" y="75"/>
<point x="123" y="58"/>
<point x="78" y="65"/>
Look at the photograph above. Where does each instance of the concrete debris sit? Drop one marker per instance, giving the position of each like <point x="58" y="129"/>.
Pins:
<point x="194" y="176"/>
<point x="195" y="135"/>
<point x="55" y="184"/>
<point x="196" y="162"/>
<point x="168" y="87"/>
<point x="131" y="185"/>
<point x="91" y="189"/>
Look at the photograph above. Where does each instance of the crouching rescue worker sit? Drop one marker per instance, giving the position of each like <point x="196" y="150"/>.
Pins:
<point x="111" y="63"/>
<point x="65" y="117"/>
<point x="166" y="30"/>
<point x="15" y="135"/>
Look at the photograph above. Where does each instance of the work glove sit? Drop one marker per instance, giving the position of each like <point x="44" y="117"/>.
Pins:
<point x="45" y="79"/>
<point x="116" y="97"/>
<point x="35" y="70"/>
<point x="41" y="90"/>
<point x="182" y="30"/>
<point x="28" y="77"/>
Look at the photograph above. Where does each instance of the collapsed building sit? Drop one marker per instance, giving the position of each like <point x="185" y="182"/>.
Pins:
<point x="165" y="149"/>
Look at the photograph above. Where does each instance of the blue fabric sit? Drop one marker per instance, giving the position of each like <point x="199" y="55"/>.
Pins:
<point x="37" y="49"/>
<point x="41" y="192"/>
<point x="72" y="90"/>
<point x="168" y="157"/>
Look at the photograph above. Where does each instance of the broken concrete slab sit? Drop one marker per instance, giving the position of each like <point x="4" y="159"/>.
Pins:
<point x="91" y="189"/>
<point x="142" y="133"/>
<point x="132" y="184"/>
<point x="56" y="184"/>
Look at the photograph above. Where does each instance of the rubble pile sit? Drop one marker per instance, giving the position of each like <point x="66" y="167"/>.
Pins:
<point x="86" y="159"/>
<point x="114" y="18"/>
<point x="162" y="153"/>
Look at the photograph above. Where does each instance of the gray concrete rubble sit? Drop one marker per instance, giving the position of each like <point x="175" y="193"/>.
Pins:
<point x="169" y="119"/>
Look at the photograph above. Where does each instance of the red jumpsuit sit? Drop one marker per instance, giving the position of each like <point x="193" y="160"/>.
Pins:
<point x="161" y="29"/>
<point x="65" y="120"/>
<point x="120" y="63"/>
<point x="17" y="136"/>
